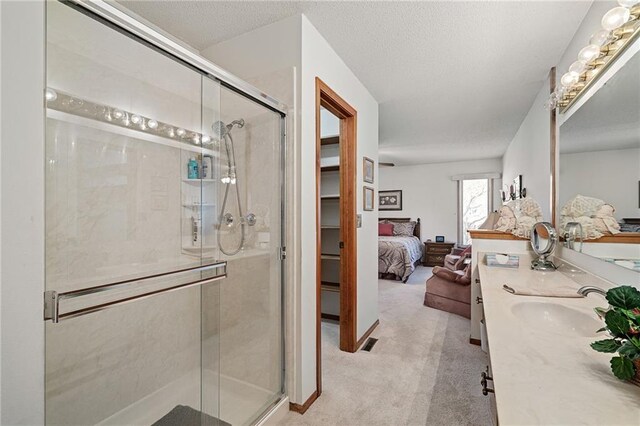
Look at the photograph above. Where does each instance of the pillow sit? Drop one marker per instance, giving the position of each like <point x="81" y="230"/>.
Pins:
<point x="403" y="229"/>
<point x="385" y="229"/>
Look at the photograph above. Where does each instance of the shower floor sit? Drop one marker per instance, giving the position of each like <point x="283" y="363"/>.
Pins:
<point x="237" y="398"/>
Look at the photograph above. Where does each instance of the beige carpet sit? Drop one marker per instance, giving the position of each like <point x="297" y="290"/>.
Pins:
<point x="422" y="370"/>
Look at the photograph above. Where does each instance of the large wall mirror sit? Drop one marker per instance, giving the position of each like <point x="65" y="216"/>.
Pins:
<point x="598" y="202"/>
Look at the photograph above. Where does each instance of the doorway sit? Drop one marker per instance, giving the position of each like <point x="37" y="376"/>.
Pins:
<point x="342" y="231"/>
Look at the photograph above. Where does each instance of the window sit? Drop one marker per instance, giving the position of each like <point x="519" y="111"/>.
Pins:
<point x="475" y="201"/>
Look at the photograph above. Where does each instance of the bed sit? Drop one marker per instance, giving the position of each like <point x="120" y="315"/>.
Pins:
<point x="399" y="255"/>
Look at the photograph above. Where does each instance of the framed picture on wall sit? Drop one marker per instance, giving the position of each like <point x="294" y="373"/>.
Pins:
<point x="367" y="168"/>
<point x="367" y="195"/>
<point x="390" y="200"/>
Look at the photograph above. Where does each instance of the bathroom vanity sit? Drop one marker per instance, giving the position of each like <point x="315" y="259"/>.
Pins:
<point x="542" y="369"/>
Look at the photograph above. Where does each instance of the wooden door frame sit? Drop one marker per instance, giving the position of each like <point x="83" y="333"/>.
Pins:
<point x="327" y="98"/>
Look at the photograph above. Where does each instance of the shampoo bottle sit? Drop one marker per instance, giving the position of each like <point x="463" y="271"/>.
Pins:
<point x="192" y="169"/>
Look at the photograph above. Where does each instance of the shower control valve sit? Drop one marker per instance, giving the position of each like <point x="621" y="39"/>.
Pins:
<point x="251" y="219"/>
<point x="228" y="219"/>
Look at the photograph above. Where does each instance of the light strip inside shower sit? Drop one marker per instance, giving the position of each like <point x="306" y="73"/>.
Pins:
<point x="64" y="102"/>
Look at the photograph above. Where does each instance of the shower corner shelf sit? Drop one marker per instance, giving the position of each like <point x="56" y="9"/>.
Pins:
<point x="197" y="180"/>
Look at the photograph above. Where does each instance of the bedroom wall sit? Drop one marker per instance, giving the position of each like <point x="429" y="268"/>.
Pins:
<point x="429" y="193"/>
<point x="608" y="175"/>
<point x="295" y="43"/>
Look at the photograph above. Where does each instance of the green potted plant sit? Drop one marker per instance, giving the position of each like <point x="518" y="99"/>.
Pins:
<point x="622" y="320"/>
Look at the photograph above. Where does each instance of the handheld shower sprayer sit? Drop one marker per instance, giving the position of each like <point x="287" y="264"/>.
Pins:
<point x="223" y="132"/>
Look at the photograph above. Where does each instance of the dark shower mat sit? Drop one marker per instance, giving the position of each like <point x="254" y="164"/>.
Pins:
<point x="183" y="415"/>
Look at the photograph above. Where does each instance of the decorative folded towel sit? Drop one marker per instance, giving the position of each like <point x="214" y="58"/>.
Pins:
<point x="556" y="292"/>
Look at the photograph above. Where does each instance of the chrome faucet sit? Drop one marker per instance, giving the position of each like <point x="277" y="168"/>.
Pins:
<point x="573" y="231"/>
<point x="584" y="291"/>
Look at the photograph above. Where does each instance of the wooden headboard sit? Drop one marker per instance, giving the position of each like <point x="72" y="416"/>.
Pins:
<point x="416" y="230"/>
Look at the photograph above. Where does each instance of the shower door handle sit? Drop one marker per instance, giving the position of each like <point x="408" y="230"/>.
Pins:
<point x="52" y="299"/>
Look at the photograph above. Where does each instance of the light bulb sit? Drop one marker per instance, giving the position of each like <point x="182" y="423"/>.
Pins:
<point x="180" y="132"/>
<point x="50" y="95"/>
<point x="117" y="114"/>
<point x="233" y="181"/>
<point x="206" y="139"/>
<point x="628" y="3"/>
<point x="171" y="132"/>
<point x="589" y="53"/>
<point x="577" y="67"/>
<point x="196" y="139"/>
<point x="600" y="38"/>
<point x="615" y="18"/>
<point x="226" y="179"/>
<point x="569" y="78"/>
<point x="153" y="124"/>
<point x="135" y="119"/>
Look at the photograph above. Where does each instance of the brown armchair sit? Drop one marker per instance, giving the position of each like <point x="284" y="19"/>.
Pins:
<point x="450" y="291"/>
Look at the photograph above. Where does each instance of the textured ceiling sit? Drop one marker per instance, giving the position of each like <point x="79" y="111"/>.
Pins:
<point x="454" y="79"/>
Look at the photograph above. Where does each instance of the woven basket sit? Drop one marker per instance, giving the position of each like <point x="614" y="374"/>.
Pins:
<point x="636" y="379"/>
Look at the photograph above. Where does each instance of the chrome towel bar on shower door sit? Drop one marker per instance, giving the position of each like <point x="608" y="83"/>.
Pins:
<point x="52" y="299"/>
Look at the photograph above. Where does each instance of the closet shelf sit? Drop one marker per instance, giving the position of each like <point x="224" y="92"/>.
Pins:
<point x="325" y="256"/>
<point x="330" y="140"/>
<point x="329" y="168"/>
<point x="330" y="288"/>
<point x="330" y="197"/>
<point x="330" y="226"/>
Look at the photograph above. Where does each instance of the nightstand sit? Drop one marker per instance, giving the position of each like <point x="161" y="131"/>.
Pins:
<point x="434" y="253"/>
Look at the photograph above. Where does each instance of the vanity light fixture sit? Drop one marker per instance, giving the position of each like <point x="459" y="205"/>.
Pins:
<point x="63" y="102"/>
<point x="620" y="27"/>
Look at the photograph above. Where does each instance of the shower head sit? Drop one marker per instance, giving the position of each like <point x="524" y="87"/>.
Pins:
<point x="221" y="130"/>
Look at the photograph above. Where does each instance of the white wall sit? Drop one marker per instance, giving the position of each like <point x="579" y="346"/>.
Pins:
<point x="529" y="154"/>
<point x="319" y="60"/>
<point x="22" y="213"/>
<point x="295" y="43"/>
<point x="529" y="151"/>
<point x="429" y="193"/>
<point x="609" y="175"/>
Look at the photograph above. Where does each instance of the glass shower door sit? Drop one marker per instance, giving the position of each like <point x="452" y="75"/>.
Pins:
<point x="130" y="230"/>
<point x="250" y="197"/>
<point x="164" y="212"/>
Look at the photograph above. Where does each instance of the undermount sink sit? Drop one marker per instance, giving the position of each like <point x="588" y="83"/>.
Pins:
<point x="557" y="318"/>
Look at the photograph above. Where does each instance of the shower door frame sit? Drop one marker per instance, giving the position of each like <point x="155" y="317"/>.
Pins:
<point x="124" y="21"/>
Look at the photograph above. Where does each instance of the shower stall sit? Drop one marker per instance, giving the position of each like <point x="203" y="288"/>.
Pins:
<point x="164" y="231"/>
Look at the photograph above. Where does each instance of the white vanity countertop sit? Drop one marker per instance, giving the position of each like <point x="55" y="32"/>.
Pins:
<point x="544" y="371"/>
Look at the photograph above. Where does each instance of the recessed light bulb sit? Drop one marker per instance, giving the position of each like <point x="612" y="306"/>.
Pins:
<point x="589" y="53"/>
<point x="615" y="18"/>
<point x="50" y="94"/>
<point x="135" y="119"/>
<point x="600" y="38"/>
<point x="153" y="124"/>
<point x="180" y="132"/>
<point x="206" y="139"/>
<point x="569" y="78"/>
<point x="577" y="67"/>
<point x="118" y="114"/>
